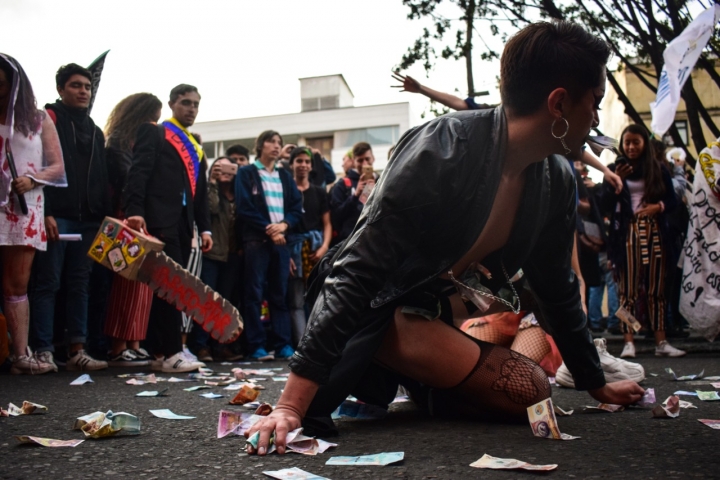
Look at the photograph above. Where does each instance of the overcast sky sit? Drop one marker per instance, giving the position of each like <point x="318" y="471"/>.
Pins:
<point x="244" y="56"/>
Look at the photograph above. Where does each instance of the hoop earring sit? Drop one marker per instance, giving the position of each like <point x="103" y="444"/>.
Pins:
<point x="561" y="137"/>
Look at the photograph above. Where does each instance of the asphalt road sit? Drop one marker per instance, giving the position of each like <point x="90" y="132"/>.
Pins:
<point x="629" y="444"/>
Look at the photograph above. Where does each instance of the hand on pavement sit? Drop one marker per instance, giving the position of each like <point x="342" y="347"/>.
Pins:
<point x="624" y="392"/>
<point x="281" y="421"/>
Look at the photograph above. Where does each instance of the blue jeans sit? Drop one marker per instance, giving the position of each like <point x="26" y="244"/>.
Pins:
<point x="595" y="298"/>
<point x="69" y="262"/>
<point x="266" y="262"/>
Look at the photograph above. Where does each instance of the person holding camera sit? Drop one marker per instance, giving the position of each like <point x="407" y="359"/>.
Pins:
<point x="217" y="272"/>
<point x="348" y="197"/>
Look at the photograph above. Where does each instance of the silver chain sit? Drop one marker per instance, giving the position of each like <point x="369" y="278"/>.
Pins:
<point x="489" y="295"/>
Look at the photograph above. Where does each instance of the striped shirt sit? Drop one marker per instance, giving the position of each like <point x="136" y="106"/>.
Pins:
<point x="272" y="187"/>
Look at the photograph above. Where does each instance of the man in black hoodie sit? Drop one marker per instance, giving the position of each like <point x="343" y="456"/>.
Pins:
<point x="79" y="208"/>
<point x="349" y="195"/>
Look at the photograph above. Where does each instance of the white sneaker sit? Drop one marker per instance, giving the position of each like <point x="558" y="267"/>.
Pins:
<point x="664" y="349"/>
<point x="563" y="377"/>
<point x="29" y="364"/>
<point x="616" y="369"/>
<point x="156" y="364"/>
<point x="190" y="357"/>
<point x="613" y="368"/>
<point x="47" y="357"/>
<point x="82" y="361"/>
<point x="179" y="363"/>
<point x="628" y="350"/>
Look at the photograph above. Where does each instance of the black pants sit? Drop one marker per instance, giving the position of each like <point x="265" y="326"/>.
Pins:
<point x="164" y="329"/>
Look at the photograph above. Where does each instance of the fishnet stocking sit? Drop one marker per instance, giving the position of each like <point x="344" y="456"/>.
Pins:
<point x="491" y="333"/>
<point x="531" y="342"/>
<point x="501" y="386"/>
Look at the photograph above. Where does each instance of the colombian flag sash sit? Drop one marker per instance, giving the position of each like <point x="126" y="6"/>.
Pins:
<point x="188" y="148"/>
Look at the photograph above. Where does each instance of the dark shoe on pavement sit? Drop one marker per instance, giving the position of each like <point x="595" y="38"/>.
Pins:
<point x="227" y="355"/>
<point x="204" y="355"/>
<point x="126" y="358"/>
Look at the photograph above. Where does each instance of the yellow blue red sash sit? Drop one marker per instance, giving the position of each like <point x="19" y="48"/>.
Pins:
<point x="189" y="150"/>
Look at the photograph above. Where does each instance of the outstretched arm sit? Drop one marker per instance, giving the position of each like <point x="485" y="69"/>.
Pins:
<point x="409" y="84"/>
<point x="592" y="161"/>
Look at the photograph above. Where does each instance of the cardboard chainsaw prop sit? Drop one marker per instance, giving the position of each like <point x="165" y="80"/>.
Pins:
<point x="137" y="256"/>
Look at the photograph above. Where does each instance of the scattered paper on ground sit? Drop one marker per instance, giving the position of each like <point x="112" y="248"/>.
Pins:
<point x="296" y="442"/>
<point x="82" y="380"/>
<point x="714" y="424"/>
<point x="245" y="394"/>
<point x="211" y="395"/>
<point x="604" y="407"/>
<point x="712" y="379"/>
<point x="142" y="380"/>
<point x="48" y="442"/>
<point x="167" y="414"/>
<point x="647" y="399"/>
<point x="684" y="377"/>
<point x="385" y="458"/>
<point x="99" y="424"/>
<point x="685" y="392"/>
<point x="715" y="385"/>
<point x="28" y="408"/>
<point x="560" y="413"/>
<point x="178" y="380"/>
<point x="354" y="408"/>
<point x="294" y="474"/>
<point x="152" y="393"/>
<point x="670" y="410"/>
<point x="683" y="403"/>
<point x="236" y="423"/>
<point x="486" y="461"/>
<point x="708" y="396"/>
<point x="196" y="388"/>
<point x="543" y="421"/>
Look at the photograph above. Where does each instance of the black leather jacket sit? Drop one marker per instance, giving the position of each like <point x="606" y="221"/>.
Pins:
<point x="425" y="213"/>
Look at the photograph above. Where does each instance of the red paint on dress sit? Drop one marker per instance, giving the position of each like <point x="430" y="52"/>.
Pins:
<point x="30" y="232"/>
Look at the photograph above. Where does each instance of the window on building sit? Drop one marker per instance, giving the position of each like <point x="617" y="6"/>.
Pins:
<point x="374" y="136"/>
<point x="324" y="144"/>
<point x="320" y="103"/>
<point x="209" y="149"/>
<point x="682" y="127"/>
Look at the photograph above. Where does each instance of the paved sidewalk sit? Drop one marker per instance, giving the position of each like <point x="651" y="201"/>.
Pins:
<point x="629" y="444"/>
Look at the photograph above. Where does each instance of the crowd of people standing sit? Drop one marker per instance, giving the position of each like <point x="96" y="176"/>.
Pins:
<point x="251" y="231"/>
<point x="254" y="231"/>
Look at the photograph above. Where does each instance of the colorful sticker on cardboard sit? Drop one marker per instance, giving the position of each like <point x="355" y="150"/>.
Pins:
<point x="100" y="247"/>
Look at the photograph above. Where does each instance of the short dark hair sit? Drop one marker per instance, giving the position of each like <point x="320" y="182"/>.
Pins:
<point x="182" y="89"/>
<point x="264" y="137"/>
<point x="300" y="151"/>
<point x="547" y="55"/>
<point x="66" y="71"/>
<point x="237" y="149"/>
<point x="360" y="148"/>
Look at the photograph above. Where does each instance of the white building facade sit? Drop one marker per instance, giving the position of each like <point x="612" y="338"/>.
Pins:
<point x="328" y="121"/>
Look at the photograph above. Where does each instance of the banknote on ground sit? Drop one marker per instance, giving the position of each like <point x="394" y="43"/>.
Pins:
<point x="99" y="424"/>
<point x="385" y="458"/>
<point x="487" y="461"/>
<point x="293" y="474"/>
<point x="543" y="422"/>
<point x="48" y="442"/>
<point x="714" y="424"/>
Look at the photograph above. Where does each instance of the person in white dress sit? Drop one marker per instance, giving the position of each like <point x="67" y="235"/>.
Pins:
<point x="29" y="135"/>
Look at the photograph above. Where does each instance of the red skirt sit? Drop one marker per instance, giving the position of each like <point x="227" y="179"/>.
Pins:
<point x="128" y="310"/>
